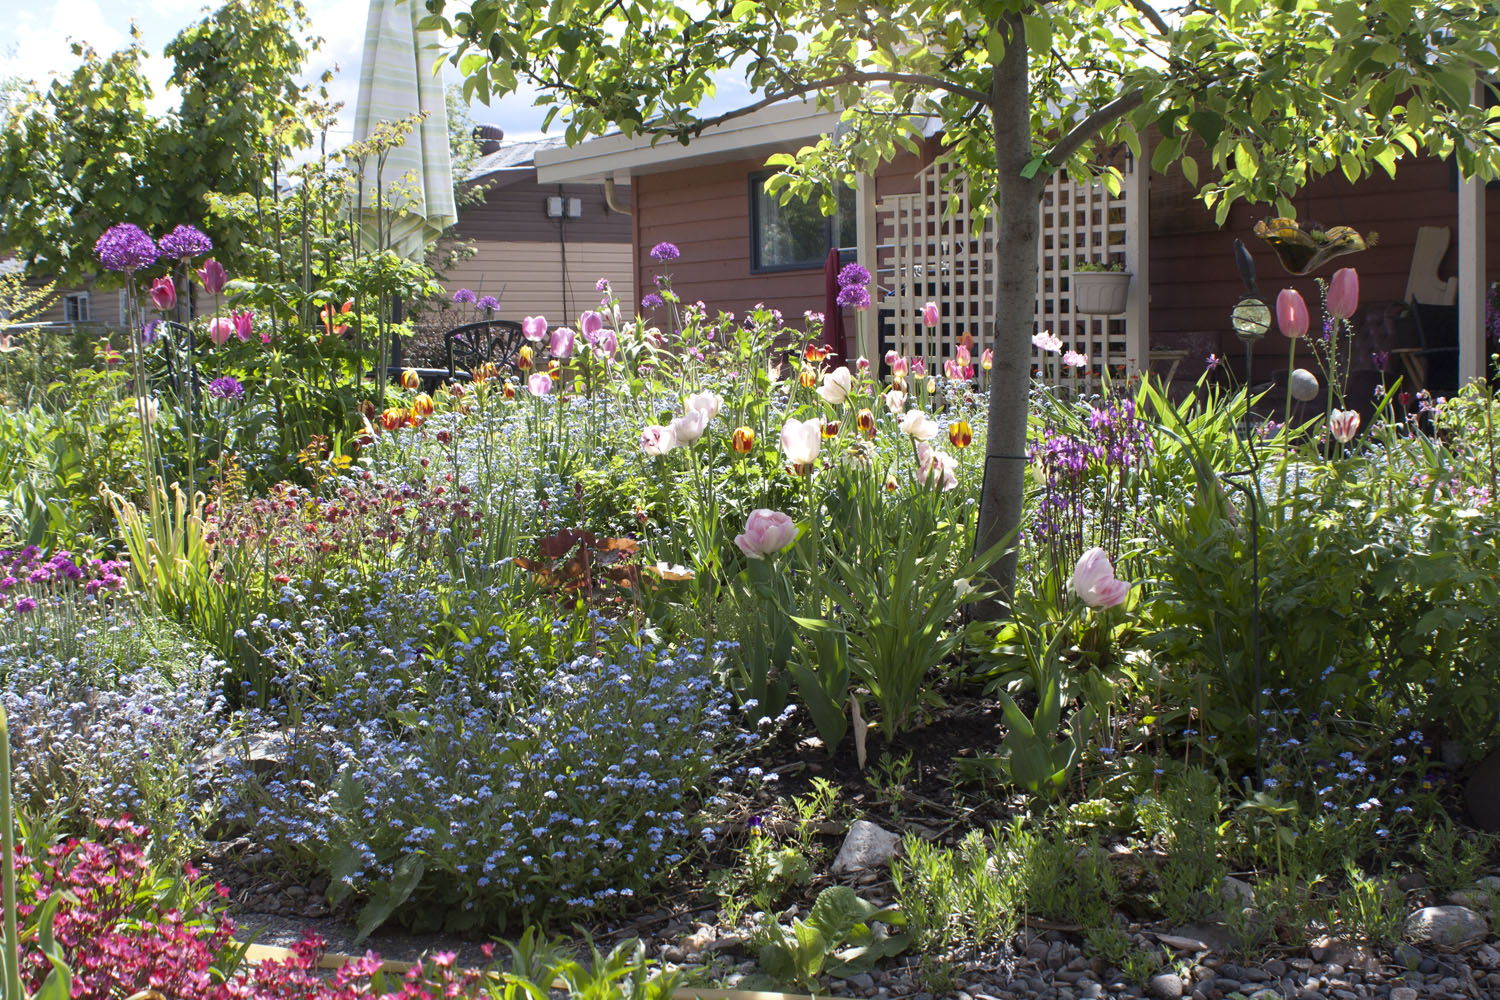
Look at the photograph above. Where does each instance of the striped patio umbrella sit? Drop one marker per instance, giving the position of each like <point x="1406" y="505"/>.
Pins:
<point x="396" y="80"/>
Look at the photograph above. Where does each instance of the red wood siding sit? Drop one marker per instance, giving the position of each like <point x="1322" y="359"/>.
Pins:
<point x="1194" y="283"/>
<point x="705" y="211"/>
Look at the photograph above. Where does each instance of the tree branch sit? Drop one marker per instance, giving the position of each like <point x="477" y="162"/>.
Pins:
<point x="1091" y="126"/>
<point x="1150" y="14"/>
<point x="853" y="76"/>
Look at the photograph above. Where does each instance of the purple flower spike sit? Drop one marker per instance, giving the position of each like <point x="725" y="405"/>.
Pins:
<point x="184" y="243"/>
<point x="462" y="296"/>
<point x="650" y="300"/>
<point x="665" y="251"/>
<point x="489" y="303"/>
<point x="854" y="274"/>
<point x="125" y="247"/>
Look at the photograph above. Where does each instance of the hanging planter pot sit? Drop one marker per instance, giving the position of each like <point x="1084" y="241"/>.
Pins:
<point x="1100" y="293"/>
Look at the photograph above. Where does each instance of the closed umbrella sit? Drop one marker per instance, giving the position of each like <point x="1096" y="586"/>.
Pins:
<point x="396" y="81"/>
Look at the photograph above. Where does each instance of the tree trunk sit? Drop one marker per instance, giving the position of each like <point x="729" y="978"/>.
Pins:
<point x="1002" y="500"/>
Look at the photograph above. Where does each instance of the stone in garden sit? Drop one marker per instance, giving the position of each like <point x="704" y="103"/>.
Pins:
<point x="1482" y="793"/>
<point x="1449" y="927"/>
<point x="1407" y="957"/>
<point x="866" y="846"/>
<point x="1237" y="892"/>
<point x="1403" y="993"/>
<point x="1197" y="937"/>
<point x="1165" y="986"/>
<point x="1482" y="897"/>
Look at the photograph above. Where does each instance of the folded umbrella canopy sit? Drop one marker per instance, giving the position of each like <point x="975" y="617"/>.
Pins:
<point x="396" y="81"/>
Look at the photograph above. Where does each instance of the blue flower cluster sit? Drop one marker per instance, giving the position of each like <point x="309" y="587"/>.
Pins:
<point x="528" y="787"/>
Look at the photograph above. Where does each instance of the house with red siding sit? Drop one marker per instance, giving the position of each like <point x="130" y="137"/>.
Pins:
<point x="740" y="247"/>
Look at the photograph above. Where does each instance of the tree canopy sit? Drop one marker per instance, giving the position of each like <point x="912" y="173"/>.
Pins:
<point x="86" y="152"/>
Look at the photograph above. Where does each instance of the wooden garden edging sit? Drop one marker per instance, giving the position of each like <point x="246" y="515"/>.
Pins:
<point x="270" y="953"/>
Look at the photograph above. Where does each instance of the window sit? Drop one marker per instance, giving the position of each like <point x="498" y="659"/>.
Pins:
<point x="796" y="235"/>
<point x="76" y="308"/>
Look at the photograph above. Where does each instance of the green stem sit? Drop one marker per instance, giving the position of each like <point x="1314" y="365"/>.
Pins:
<point x="12" y="940"/>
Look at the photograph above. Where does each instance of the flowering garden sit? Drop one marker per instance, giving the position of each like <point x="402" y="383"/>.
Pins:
<point x="628" y="634"/>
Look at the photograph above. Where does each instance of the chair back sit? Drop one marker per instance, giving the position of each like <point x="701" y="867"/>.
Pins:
<point x="492" y="341"/>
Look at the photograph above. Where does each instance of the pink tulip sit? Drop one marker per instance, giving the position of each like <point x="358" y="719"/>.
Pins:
<point x="930" y="314"/>
<point x="606" y="343"/>
<point x="1094" y="581"/>
<point x="1291" y="313"/>
<point x="658" y="440"/>
<point x="1343" y="424"/>
<point x="164" y="294"/>
<point x="562" y="342"/>
<point x="951" y="369"/>
<point x="801" y="440"/>
<point x="987" y="359"/>
<point x="242" y="321"/>
<point x="591" y="323"/>
<point x="540" y="384"/>
<point x="1343" y="293"/>
<point x="964" y="355"/>
<point x="918" y="368"/>
<point x="220" y="329"/>
<point x="535" y="328"/>
<point x="766" y="533"/>
<point x="212" y="275"/>
<point x="899" y="367"/>
<point x="890" y="358"/>
<point x="1074" y="360"/>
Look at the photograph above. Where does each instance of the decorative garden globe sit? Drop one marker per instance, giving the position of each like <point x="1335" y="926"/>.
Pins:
<point x="1304" y="385"/>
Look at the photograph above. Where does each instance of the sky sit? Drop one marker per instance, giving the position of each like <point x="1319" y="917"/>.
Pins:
<point x="40" y="32"/>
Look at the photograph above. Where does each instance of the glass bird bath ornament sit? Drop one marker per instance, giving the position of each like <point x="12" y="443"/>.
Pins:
<point x="1302" y="250"/>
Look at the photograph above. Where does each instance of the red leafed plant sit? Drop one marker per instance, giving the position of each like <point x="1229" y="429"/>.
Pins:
<point x="573" y="562"/>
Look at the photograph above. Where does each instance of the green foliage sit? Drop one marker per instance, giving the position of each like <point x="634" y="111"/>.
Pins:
<point x="1183" y="821"/>
<point x="87" y="153"/>
<point x="837" y="938"/>
<point x="954" y="898"/>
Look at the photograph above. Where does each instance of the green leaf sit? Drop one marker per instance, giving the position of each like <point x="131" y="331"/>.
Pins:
<point x="1190" y="170"/>
<point x="388" y="895"/>
<point x="1038" y="33"/>
<point x="1208" y="125"/>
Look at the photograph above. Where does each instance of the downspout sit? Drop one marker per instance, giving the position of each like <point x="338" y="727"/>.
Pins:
<point x="610" y="199"/>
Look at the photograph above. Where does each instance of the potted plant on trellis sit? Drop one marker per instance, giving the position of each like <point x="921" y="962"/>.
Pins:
<point x="1099" y="288"/>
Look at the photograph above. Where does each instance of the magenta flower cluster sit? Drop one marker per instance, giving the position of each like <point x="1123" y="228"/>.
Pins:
<point x="28" y="573"/>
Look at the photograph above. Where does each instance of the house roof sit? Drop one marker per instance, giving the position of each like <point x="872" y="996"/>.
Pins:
<point x="511" y="156"/>
<point x="621" y="156"/>
<point x="12" y="265"/>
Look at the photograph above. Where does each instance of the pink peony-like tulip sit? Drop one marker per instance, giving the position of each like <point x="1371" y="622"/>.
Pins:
<point x="535" y="328"/>
<point x="900" y="367"/>
<point x="591" y="323"/>
<point x="890" y="358"/>
<point x="918" y="426"/>
<point x="1094" y="581"/>
<point x="540" y="384"/>
<point x="164" y="294"/>
<point x="936" y="468"/>
<point x="220" y="330"/>
<point x="766" y="533"/>
<point x="801" y="441"/>
<point x="987" y="359"/>
<point x="1047" y="342"/>
<point x="212" y="275"/>
<point x="1343" y="425"/>
<point x="931" y="314"/>
<point x="1291" y="313"/>
<point x="1073" y="359"/>
<point x="243" y="324"/>
<point x="605" y="342"/>
<point x="689" y="427"/>
<point x="709" y="402"/>
<point x="1343" y="292"/>
<point x="658" y="440"/>
<point x="562" y="342"/>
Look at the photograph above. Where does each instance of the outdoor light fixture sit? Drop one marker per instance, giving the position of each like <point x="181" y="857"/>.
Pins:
<point x="555" y="207"/>
<point x="575" y="207"/>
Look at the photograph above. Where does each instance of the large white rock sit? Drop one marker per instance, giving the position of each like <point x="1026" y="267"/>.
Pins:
<point x="1447" y="927"/>
<point x="865" y="846"/>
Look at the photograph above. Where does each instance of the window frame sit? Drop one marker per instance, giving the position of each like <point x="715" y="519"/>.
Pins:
<point x="81" y="306"/>
<point x="756" y="185"/>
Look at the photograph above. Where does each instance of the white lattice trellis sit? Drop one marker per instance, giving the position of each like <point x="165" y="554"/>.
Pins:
<point x="927" y="254"/>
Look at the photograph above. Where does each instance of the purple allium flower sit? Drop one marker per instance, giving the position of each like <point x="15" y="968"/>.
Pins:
<point x="665" y="251"/>
<point x="853" y="274"/>
<point x="25" y="604"/>
<point x="226" y="387"/>
<point x="125" y="247"/>
<point x="183" y="243"/>
<point x="853" y="296"/>
<point x="1380" y="358"/>
<point x="650" y="300"/>
<point x="463" y="295"/>
<point x="489" y="303"/>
